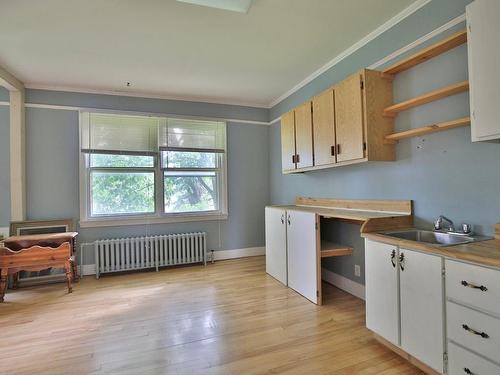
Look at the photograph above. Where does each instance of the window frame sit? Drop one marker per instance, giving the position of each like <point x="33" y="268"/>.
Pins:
<point x="159" y="216"/>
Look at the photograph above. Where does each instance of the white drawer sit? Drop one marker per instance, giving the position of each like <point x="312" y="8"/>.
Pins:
<point x="463" y="362"/>
<point x="464" y="282"/>
<point x="462" y="322"/>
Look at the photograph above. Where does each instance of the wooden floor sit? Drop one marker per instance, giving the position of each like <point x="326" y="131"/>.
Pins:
<point x="227" y="318"/>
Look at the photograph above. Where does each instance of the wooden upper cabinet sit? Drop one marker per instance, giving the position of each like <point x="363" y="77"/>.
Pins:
<point x="484" y="53"/>
<point x="304" y="135"/>
<point x="324" y="128"/>
<point x="288" y="141"/>
<point x="349" y="118"/>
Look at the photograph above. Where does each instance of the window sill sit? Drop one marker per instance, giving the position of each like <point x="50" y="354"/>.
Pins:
<point x="121" y="221"/>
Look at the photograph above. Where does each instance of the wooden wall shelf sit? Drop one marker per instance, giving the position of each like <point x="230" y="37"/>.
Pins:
<point x="330" y="249"/>
<point x="428" y="129"/>
<point x="440" y="93"/>
<point x="434" y="50"/>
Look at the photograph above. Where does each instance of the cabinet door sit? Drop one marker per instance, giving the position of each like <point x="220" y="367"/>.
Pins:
<point x="483" y="33"/>
<point x="303" y="265"/>
<point x="288" y="141"/>
<point x="381" y="288"/>
<point x="349" y="118"/>
<point x="276" y="264"/>
<point x="421" y="290"/>
<point x="324" y="128"/>
<point x="303" y="135"/>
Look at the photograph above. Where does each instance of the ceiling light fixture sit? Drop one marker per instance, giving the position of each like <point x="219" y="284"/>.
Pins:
<point x="240" y="6"/>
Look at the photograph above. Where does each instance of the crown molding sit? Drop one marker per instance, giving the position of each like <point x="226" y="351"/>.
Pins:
<point x="121" y="111"/>
<point x="448" y="25"/>
<point x="441" y="29"/>
<point x="140" y="94"/>
<point x="356" y="46"/>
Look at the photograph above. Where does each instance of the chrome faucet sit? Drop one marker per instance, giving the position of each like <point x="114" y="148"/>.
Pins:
<point x="438" y="225"/>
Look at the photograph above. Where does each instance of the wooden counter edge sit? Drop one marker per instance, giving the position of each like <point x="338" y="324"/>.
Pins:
<point x="446" y="251"/>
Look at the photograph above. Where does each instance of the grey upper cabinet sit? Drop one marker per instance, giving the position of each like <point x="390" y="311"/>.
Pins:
<point x="483" y="33"/>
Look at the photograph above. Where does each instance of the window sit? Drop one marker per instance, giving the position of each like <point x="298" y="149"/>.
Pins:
<point x="152" y="169"/>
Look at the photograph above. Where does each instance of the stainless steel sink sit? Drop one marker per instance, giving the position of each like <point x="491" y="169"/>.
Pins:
<point x="435" y="238"/>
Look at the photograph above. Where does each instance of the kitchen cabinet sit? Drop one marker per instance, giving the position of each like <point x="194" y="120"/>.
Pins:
<point x="483" y="33"/>
<point x="297" y="138"/>
<point x="421" y="296"/>
<point x="276" y="252"/>
<point x="324" y="128"/>
<point x="381" y="289"/>
<point x="349" y="119"/>
<point x="294" y="247"/>
<point x="472" y="317"/>
<point x="288" y="141"/>
<point x="303" y="136"/>
<point x="304" y="262"/>
<point x="344" y="125"/>
<point x="405" y="299"/>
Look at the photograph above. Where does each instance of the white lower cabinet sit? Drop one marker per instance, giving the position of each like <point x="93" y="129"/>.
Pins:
<point x="404" y="300"/>
<point x="381" y="289"/>
<point x="421" y="295"/>
<point x="462" y="362"/>
<point x="473" y="318"/>
<point x="276" y="254"/>
<point x="292" y="250"/>
<point x="304" y="273"/>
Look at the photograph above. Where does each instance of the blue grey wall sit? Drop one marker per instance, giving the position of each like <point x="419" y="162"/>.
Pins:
<point x="52" y="167"/>
<point x="444" y="173"/>
<point x="4" y="160"/>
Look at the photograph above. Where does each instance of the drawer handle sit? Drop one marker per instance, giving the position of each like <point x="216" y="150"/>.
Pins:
<point x="469" y="285"/>
<point x="467" y="371"/>
<point x="484" y="335"/>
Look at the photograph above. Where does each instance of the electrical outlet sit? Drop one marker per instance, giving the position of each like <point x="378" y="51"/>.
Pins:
<point x="357" y="270"/>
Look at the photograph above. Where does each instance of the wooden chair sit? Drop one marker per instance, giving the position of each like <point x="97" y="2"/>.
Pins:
<point x="35" y="258"/>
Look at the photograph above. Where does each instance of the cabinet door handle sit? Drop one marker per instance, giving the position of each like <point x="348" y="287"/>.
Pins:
<point x="282" y="218"/>
<point x="288" y="220"/>
<point x="484" y="335"/>
<point x="297" y="158"/>
<point x="293" y="159"/>
<point x="393" y="256"/>
<point x="332" y="150"/>
<point x="402" y="261"/>
<point x="467" y="371"/>
<point x="469" y="285"/>
<point x="338" y="148"/>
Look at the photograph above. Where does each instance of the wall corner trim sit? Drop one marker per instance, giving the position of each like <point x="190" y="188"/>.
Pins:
<point x="341" y="282"/>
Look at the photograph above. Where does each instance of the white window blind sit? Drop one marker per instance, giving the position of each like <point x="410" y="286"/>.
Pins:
<point x="185" y="135"/>
<point x="110" y="133"/>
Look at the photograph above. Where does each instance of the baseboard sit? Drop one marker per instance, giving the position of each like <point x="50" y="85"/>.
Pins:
<point x="341" y="282"/>
<point x="89" y="269"/>
<point x="239" y="253"/>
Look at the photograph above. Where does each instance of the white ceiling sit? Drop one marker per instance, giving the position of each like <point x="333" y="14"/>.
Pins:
<point x="173" y="49"/>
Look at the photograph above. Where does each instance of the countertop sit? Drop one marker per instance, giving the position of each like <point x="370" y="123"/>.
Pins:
<point x="485" y="253"/>
<point x="348" y="214"/>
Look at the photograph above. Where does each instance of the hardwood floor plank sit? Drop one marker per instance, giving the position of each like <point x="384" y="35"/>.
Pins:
<point x="226" y="318"/>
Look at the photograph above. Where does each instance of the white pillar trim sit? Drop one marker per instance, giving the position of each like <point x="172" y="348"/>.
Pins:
<point x="10" y="82"/>
<point x="17" y="145"/>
